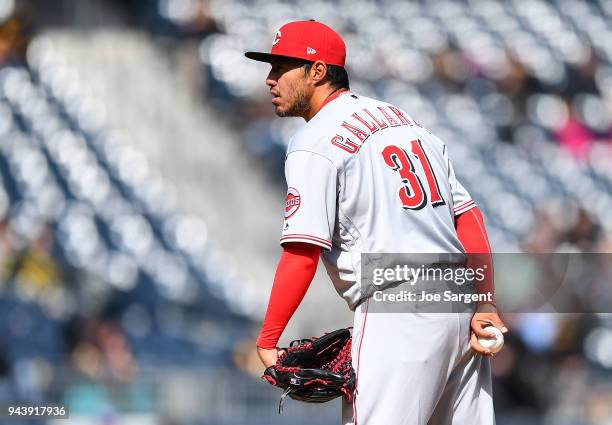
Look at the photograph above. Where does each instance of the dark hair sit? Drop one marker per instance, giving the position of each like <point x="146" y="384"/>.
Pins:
<point x="336" y="75"/>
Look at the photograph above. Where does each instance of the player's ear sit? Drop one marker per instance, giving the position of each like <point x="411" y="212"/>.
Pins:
<point x="318" y="72"/>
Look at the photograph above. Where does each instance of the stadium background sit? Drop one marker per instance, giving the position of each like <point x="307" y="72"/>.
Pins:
<point x="141" y="190"/>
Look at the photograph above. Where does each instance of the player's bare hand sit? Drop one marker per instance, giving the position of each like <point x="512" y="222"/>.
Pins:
<point x="485" y="315"/>
<point x="268" y="356"/>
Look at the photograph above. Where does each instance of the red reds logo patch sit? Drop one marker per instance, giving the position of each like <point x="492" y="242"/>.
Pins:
<point x="292" y="202"/>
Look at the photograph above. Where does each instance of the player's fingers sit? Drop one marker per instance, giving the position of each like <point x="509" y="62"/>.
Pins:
<point x="500" y="325"/>
<point x="477" y="347"/>
<point x="494" y="320"/>
<point x="480" y="329"/>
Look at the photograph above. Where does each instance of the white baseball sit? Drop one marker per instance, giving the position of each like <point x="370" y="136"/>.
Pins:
<point x="493" y="343"/>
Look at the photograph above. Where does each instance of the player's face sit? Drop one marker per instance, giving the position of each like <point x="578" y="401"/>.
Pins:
<point x="289" y="89"/>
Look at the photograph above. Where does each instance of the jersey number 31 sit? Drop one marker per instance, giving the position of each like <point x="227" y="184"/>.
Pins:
<point x="412" y="195"/>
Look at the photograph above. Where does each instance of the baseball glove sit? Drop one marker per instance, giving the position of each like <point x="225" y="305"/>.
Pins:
<point x="315" y="370"/>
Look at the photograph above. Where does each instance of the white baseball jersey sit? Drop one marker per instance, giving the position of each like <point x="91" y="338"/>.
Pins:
<point x="364" y="177"/>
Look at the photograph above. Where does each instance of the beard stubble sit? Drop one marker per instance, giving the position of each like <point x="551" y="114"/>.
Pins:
<point x="300" y="103"/>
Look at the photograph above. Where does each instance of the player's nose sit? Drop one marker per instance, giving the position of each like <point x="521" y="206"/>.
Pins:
<point x="271" y="80"/>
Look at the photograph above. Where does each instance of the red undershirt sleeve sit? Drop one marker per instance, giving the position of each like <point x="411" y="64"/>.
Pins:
<point x="294" y="273"/>
<point x="473" y="236"/>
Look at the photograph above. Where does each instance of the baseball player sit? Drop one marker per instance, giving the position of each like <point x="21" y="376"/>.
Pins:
<point x="364" y="177"/>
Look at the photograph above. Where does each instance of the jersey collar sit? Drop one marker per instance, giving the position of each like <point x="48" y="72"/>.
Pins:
<point x="334" y="96"/>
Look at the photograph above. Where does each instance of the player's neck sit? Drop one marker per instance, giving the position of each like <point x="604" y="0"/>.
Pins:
<point x="321" y="98"/>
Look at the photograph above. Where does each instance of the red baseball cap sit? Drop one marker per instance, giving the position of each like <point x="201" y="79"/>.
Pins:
<point x="308" y="40"/>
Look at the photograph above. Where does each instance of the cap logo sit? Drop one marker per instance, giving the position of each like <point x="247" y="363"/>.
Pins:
<point x="310" y="51"/>
<point x="277" y="37"/>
